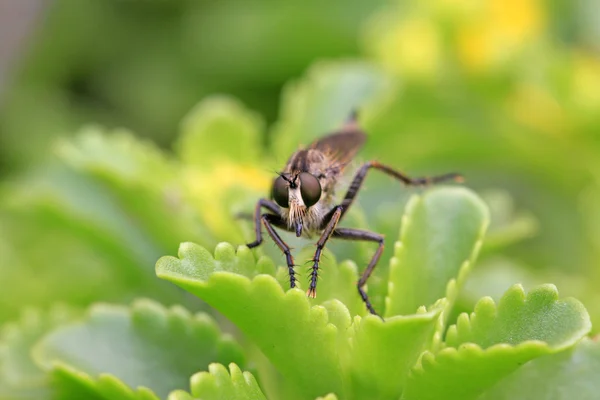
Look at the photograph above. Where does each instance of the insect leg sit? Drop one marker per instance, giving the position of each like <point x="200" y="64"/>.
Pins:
<point x="270" y="220"/>
<point x="362" y="173"/>
<point x="359" y="234"/>
<point x="269" y="205"/>
<point x="327" y="232"/>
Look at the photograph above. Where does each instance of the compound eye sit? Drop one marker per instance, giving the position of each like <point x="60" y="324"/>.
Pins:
<point x="310" y="188"/>
<point x="280" y="192"/>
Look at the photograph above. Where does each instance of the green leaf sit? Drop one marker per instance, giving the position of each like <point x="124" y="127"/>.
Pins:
<point x="222" y="171"/>
<point x="82" y="206"/>
<point x="494" y="276"/>
<point x="20" y="377"/>
<point x="180" y="395"/>
<point x="145" y="182"/>
<point x="17" y="339"/>
<point x="330" y="396"/>
<point x="421" y="127"/>
<point x="495" y="341"/>
<point x="323" y="99"/>
<point x="220" y="127"/>
<point x="441" y="234"/>
<point x="218" y="384"/>
<point x="507" y="225"/>
<point x="571" y="374"/>
<point x="272" y="383"/>
<point x="382" y="352"/>
<point x="146" y="345"/>
<point x="70" y="383"/>
<point x="66" y="213"/>
<point x="197" y="263"/>
<point x="336" y="280"/>
<point x="119" y="155"/>
<point x="295" y="337"/>
<point x="518" y="318"/>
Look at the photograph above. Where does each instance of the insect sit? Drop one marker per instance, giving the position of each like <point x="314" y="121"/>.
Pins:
<point x="302" y="200"/>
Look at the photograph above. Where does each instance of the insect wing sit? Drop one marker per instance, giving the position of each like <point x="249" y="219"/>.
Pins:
<point x="341" y="146"/>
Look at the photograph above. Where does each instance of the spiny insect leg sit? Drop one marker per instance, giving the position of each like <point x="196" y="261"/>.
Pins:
<point x="268" y="220"/>
<point x="362" y="173"/>
<point x="327" y="232"/>
<point x="269" y="205"/>
<point x="359" y="234"/>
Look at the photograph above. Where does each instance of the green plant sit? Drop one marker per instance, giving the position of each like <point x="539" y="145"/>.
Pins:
<point x="313" y="347"/>
<point x="115" y="194"/>
<point x="319" y="348"/>
<point x="84" y="315"/>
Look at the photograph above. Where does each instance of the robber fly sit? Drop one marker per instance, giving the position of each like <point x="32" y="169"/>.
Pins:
<point x="304" y="202"/>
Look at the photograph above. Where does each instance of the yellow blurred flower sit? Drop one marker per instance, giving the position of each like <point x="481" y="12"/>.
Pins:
<point x="409" y="47"/>
<point x="585" y="83"/>
<point x="486" y="34"/>
<point x="500" y="29"/>
<point x="211" y="192"/>
<point x="533" y="106"/>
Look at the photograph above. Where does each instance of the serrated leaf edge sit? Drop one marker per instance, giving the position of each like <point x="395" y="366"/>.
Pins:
<point x="248" y="283"/>
<point x="96" y="383"/>
<point x="31" y="318"/>
<point x="216" y="370"/>
<point x="464" y="320"/>
<point x="454" y="284"/>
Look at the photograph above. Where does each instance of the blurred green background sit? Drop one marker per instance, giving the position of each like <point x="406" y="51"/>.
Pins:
<point x="217" y="95"/>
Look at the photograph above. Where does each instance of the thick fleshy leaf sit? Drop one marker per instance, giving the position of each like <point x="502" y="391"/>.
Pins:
<point x="323" y="100"/>
<point x="218" y="383"/>
<point x="431" y="127"/>
<point x="383" y="352"/>
<point x="63" y="212"/>
<point x="336" y="280"/>
<point x="180" y="395"/>
<point x="507" y="225"/>
<point x="272" y="383"/>
<point x="146" y="345"/>
<point x="441" y="234"/>
<point x="217" y="128"/>
<point x="119" y="155"/>
<point x="220" y="192"/>
<point x="496" y="340"/>
<point x="17" y="339"/>
<point x="145" y="182"/>
<point x="572" y="374"/>
<point x="330" y="396"/>
<point x="20" y="377"/>
<point x="222" y="173"/>
<point x="519" y="318"/>
<point x="69" y="383"/>
<point x="465" y="373"/>
<point x="297" y="339"/>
